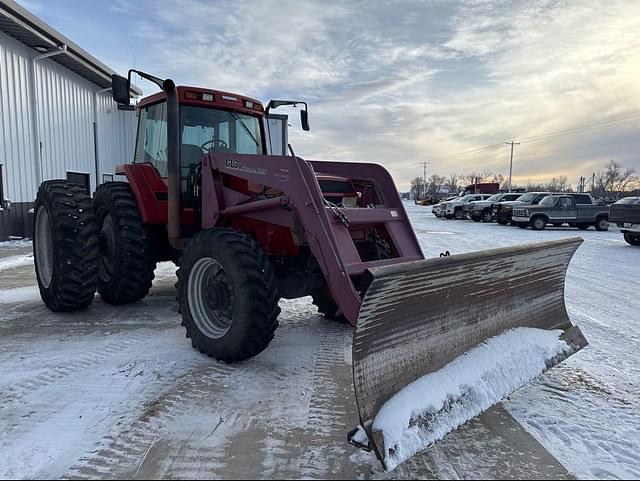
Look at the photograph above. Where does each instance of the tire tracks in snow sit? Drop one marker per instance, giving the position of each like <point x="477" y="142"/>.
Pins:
<point x="122" y="455"/>
<point x="54" y="374"/>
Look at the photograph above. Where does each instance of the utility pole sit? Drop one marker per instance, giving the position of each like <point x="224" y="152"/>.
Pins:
<point x="424" y="180"/>
<point x="512" y="143"/>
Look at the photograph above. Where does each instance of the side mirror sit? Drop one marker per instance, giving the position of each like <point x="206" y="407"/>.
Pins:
<point x="120" y="87"/>
<point x="304" y="119"/>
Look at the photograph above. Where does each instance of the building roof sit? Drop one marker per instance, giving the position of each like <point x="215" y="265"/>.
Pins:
<point x="28" y="29"/>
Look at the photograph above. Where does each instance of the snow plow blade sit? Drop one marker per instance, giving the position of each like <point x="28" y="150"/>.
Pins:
<point x="419" y="317"/>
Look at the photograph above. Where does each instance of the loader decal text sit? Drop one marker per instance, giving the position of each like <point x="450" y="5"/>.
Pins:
<point x="238" y="165"/>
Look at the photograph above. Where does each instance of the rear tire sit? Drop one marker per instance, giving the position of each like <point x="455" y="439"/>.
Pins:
<point x="602" y="224"/>
<point x="583" y="226"/>
<point x="632" y="239"/>
<point x="539" y="223"/>
<point x="523" y="225"/>
<point x="127" y="259"/>
<point x="65" y="246"/>
<point x="227" y="294"/>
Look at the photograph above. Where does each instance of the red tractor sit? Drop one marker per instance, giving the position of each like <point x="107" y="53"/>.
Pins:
<point x="248" y="226"/>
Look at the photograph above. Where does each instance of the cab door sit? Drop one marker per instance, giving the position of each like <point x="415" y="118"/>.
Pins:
<point x="567" y="209"/>
<point x="276" y="127"/>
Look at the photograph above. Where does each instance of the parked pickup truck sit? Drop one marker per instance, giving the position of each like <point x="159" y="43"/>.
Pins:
<point x="503" y="211"/>
<point x="626" y="215"/>
<point x="455" y="208"/>
<point x="438" y="209"/>
<point x="480" y="210"/>
<point x="562" y="209"/>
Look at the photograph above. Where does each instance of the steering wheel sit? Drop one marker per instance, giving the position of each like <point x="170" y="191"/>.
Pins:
<point x="216" y="144"/>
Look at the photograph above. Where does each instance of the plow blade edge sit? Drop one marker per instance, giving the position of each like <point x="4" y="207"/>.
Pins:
<point x="418" y="317"/>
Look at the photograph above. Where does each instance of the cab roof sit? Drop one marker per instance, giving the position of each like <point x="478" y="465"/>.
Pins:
<point x="209" y="98"/>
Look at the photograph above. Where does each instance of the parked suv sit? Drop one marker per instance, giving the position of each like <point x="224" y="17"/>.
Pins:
<point x="502" y="211"/>
<point x="626" y="214"/>
<point x="481" y="210"/>
<point x="455" y="208"/>
<point x="559" y="209"/>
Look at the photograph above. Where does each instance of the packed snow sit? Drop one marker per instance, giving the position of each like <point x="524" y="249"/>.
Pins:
<point x="14" y="262"/>
<point x="434" y="405"/>
<point x="586" y="411"/>
<point x="118" y="392"/>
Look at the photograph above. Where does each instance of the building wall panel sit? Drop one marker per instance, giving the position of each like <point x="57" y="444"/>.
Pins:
<point x="67" y="106"/>
<point x="16" y="136"/>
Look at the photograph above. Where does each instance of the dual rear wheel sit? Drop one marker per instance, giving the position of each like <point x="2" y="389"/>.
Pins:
<point x="82" y="246"/>
<point x="227" y="290"/>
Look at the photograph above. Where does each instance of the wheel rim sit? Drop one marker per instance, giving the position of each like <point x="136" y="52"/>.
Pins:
<point x="539" y="224"/>
<point x="210" y="298"/>
<point x="604" y="224"/>
<point x="44" y="247"/>
<point x="107" y="245"/>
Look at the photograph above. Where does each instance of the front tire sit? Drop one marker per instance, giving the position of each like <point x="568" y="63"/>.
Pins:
<point x="602" y="224"/>
<point x="632" y="239"/>
<point x="65" y="246"/>
<point x="459" y="214"/>
<point x="227" y="295"/>
<point x="127" y="259"/>
<point x="538" y="223"/>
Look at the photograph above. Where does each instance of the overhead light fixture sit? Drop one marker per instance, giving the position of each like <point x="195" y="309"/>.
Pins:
<point x="41" y="48"/>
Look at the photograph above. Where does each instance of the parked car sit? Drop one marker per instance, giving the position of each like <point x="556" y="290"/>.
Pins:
<point x="559" y="209"/>
<point x="626" y="215"/>
<point x="502" y="211"/>
<point x="455" y="208"/>
<point x="481" y="210"/>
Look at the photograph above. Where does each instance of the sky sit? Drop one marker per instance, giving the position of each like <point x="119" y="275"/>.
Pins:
<point x="400" y="82"/>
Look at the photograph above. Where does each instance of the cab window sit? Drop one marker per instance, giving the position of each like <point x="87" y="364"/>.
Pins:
<point x="152" y="137"/>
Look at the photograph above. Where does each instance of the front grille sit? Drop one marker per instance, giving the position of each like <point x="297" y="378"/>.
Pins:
<point x="520" y="213"/>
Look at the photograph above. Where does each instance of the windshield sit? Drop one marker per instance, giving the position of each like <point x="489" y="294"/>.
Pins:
<point x="549" y="200"/>
<point x="527" y="197"/>
<point x="466" y="198"/>
<point x="495" y="198"/>
<point x="210" y="130"/>
<point x="629" y="201"/>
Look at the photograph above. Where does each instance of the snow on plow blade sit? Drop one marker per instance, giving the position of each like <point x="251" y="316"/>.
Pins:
<point x="420" y="319"/>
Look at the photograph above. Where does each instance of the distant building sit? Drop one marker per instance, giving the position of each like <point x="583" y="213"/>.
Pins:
<point x="57" y="118"/>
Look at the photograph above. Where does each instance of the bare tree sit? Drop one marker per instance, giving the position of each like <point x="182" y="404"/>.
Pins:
<point x="417" y="188"/>
<point x="559" y="184"/>
<point x="614" y="180"/>
<point x="452" y="183"/>
<point x="435" y="183"/>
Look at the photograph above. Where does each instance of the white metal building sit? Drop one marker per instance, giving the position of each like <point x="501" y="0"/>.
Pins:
<point x="57" y="118"/>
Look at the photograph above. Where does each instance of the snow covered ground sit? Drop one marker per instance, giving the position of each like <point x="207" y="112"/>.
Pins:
<point x="117" y="392"/>
<point x="586" y="412"/>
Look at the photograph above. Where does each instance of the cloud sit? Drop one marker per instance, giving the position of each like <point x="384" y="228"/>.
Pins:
<point x="399" y="82"/>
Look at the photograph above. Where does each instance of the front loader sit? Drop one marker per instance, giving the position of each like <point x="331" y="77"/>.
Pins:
<point x="248" y="224"/>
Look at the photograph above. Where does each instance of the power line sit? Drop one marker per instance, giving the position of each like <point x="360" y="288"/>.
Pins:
<point x="533" y="154"/>
<point x="582" y="128"/>
<point x="550" y="134"/>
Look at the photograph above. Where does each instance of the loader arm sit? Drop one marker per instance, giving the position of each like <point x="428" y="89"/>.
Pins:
<point x="302" y="202"/>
